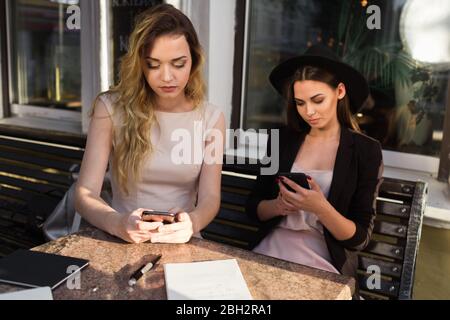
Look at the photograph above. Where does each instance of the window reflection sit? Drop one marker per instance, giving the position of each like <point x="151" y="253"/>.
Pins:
<point x="425" y="25"/>
<point x="408" y="97"/>
<point x="46" y="67"/>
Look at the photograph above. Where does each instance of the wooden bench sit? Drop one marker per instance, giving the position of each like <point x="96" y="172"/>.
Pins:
<point x="394" y="243"/>
<point x="35" y="173"/>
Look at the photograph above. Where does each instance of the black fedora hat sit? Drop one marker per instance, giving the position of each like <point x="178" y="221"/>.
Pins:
<point x="323" y="57"/>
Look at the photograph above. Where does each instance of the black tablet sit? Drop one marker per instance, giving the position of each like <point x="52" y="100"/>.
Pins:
<point x="29" y="268"/>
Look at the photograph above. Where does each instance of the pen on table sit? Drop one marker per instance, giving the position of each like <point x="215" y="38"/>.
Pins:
<point x="143" y="270"/>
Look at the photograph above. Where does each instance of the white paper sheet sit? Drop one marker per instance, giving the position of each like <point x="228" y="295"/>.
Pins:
<point x="206" y="280"/>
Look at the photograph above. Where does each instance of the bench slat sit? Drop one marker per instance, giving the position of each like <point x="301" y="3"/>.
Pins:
<point x="36" y="174"/>
<point x="42" y="148"/>
<point x="32" y="186"/>
<point x="385" y="249"/>
<point x="238" y="217"/>
<point x="234" y="198"/>
<point x="391" y="229"/>
<point x="393" y="209"/>
<point x="225" y="240"/>
<point x="397" y="187"/>
<point x="13" y="216"/>
<point x="387" y="287"/>
<point x="237" y="182"/>
<point x="20" y="156"/>
<point x="387" y="268"/>
<point x="372" y="296"/>
<point x="16" y="194"/>
<point x="18" y="237"/>
<point x="230" y="231"/>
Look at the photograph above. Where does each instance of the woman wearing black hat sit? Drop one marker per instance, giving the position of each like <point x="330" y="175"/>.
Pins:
<point x="322" y="227"/>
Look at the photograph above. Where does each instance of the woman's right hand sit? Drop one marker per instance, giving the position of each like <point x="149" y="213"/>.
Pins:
<point x="268" y="209"/>
<point x="281" y="208"/>
<point x="133" y="229"/>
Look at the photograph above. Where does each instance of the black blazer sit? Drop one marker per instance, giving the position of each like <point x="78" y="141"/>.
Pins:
<point x="357" y="176"/>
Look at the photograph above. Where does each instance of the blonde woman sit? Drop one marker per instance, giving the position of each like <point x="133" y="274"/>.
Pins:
<point x="136" y="128"/>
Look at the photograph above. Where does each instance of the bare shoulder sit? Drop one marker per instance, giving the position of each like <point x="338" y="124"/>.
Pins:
<point x="104" y="104"/>
<point x="210" y="108"/>
<point x="213" y="115"/>
<point x="102" y="116"/>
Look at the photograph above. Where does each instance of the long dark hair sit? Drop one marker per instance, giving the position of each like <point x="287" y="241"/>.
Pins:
<point x="295" y="121"/>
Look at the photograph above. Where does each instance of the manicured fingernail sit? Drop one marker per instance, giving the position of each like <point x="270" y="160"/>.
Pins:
<point x="277" y="180"/>
<point x="308" y="177"/>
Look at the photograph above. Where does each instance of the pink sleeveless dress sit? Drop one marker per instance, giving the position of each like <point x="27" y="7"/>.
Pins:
<point x="170" y="177"/>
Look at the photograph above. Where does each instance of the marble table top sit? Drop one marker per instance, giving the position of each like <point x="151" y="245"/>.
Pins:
<point x="112" y="261"/>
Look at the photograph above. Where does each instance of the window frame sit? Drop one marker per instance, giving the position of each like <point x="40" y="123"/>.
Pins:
<point x="444" y="163"/>
<point x="240" y="63"/>
<point x="30" y="110"/>
<point x="434" y="165"/>
<point x="90" y="69"/>
<point x="4" y="94"/>
<point x="91" y="56"/>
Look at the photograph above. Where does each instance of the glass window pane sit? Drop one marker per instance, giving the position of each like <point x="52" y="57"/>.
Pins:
<point x="123" y="17"/>
<point x="408" y="84"/>
<point x="46" y="64"/>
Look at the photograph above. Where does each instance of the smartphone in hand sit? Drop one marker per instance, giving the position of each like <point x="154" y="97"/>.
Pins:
<point x="165" y="217"/>
<point x="299" y="178"/>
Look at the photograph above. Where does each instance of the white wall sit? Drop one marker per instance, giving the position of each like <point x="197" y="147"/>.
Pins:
<point x="90" y="58"/>
<point x="221" y="54"/>
<point x="214" y="21"/>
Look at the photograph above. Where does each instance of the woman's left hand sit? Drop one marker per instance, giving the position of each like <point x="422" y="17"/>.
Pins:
<point x="312" y="200"/>
<point x="180" y="231"/>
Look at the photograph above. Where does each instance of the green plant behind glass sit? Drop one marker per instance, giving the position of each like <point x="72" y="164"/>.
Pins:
<point x="384" y="64"/>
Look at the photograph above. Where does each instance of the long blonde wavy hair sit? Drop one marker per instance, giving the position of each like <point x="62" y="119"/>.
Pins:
<point x="135" y="100"/>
